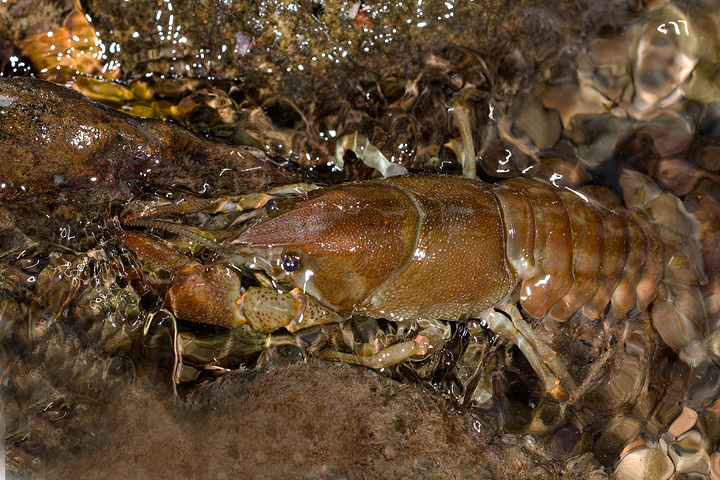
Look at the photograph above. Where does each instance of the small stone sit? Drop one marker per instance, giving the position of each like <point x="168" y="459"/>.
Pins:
<point x="684" y="422"/>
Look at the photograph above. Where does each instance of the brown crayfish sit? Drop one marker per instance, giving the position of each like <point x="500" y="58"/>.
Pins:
<point x="438" y="247"/>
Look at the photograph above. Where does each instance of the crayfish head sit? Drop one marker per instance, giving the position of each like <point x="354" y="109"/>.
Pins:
<point x="338" y="244"/>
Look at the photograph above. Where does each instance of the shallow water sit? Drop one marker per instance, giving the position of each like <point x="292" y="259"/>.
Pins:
<point x="571" y="94"/>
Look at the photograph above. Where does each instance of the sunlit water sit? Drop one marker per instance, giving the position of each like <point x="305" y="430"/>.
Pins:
<point x="639" y="91"/>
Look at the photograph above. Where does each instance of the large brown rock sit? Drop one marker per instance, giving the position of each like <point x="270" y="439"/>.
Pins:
<point x="305" y="419"/>
<point x="60" y="149"/>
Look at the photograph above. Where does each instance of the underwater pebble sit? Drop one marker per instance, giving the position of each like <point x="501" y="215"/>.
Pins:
<point x="645" y="462"/>
<point x="684" y="422"/>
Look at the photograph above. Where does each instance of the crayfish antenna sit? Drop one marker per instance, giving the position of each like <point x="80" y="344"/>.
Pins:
<point x="191" y="233"/>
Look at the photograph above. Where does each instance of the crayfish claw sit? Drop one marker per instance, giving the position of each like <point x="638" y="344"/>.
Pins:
<point x="206" y="294"/>
<point x="311" y="313"/>
<point x="159" y="255"/>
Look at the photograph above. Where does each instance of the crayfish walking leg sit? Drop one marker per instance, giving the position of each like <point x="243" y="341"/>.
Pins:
<point x="553" y="374"/>
<point x="432" y="337"/>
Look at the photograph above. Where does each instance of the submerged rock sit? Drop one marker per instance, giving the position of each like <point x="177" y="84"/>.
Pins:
<point x="291" y="45"/>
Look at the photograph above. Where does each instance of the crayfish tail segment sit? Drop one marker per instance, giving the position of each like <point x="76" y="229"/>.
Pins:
<point x="678" y="310"/>
<point x="681" y="321"/>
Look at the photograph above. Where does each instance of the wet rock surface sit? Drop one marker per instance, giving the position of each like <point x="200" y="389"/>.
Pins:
<point x="59" y="149"/>
<point x="296" y="47"/>
<point x="25" y="17"/>
<point x="301" y="419"/>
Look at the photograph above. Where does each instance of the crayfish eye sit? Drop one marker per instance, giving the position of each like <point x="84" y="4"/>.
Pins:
<point x="290" y="263"/>
<point x="270" y="204"/>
